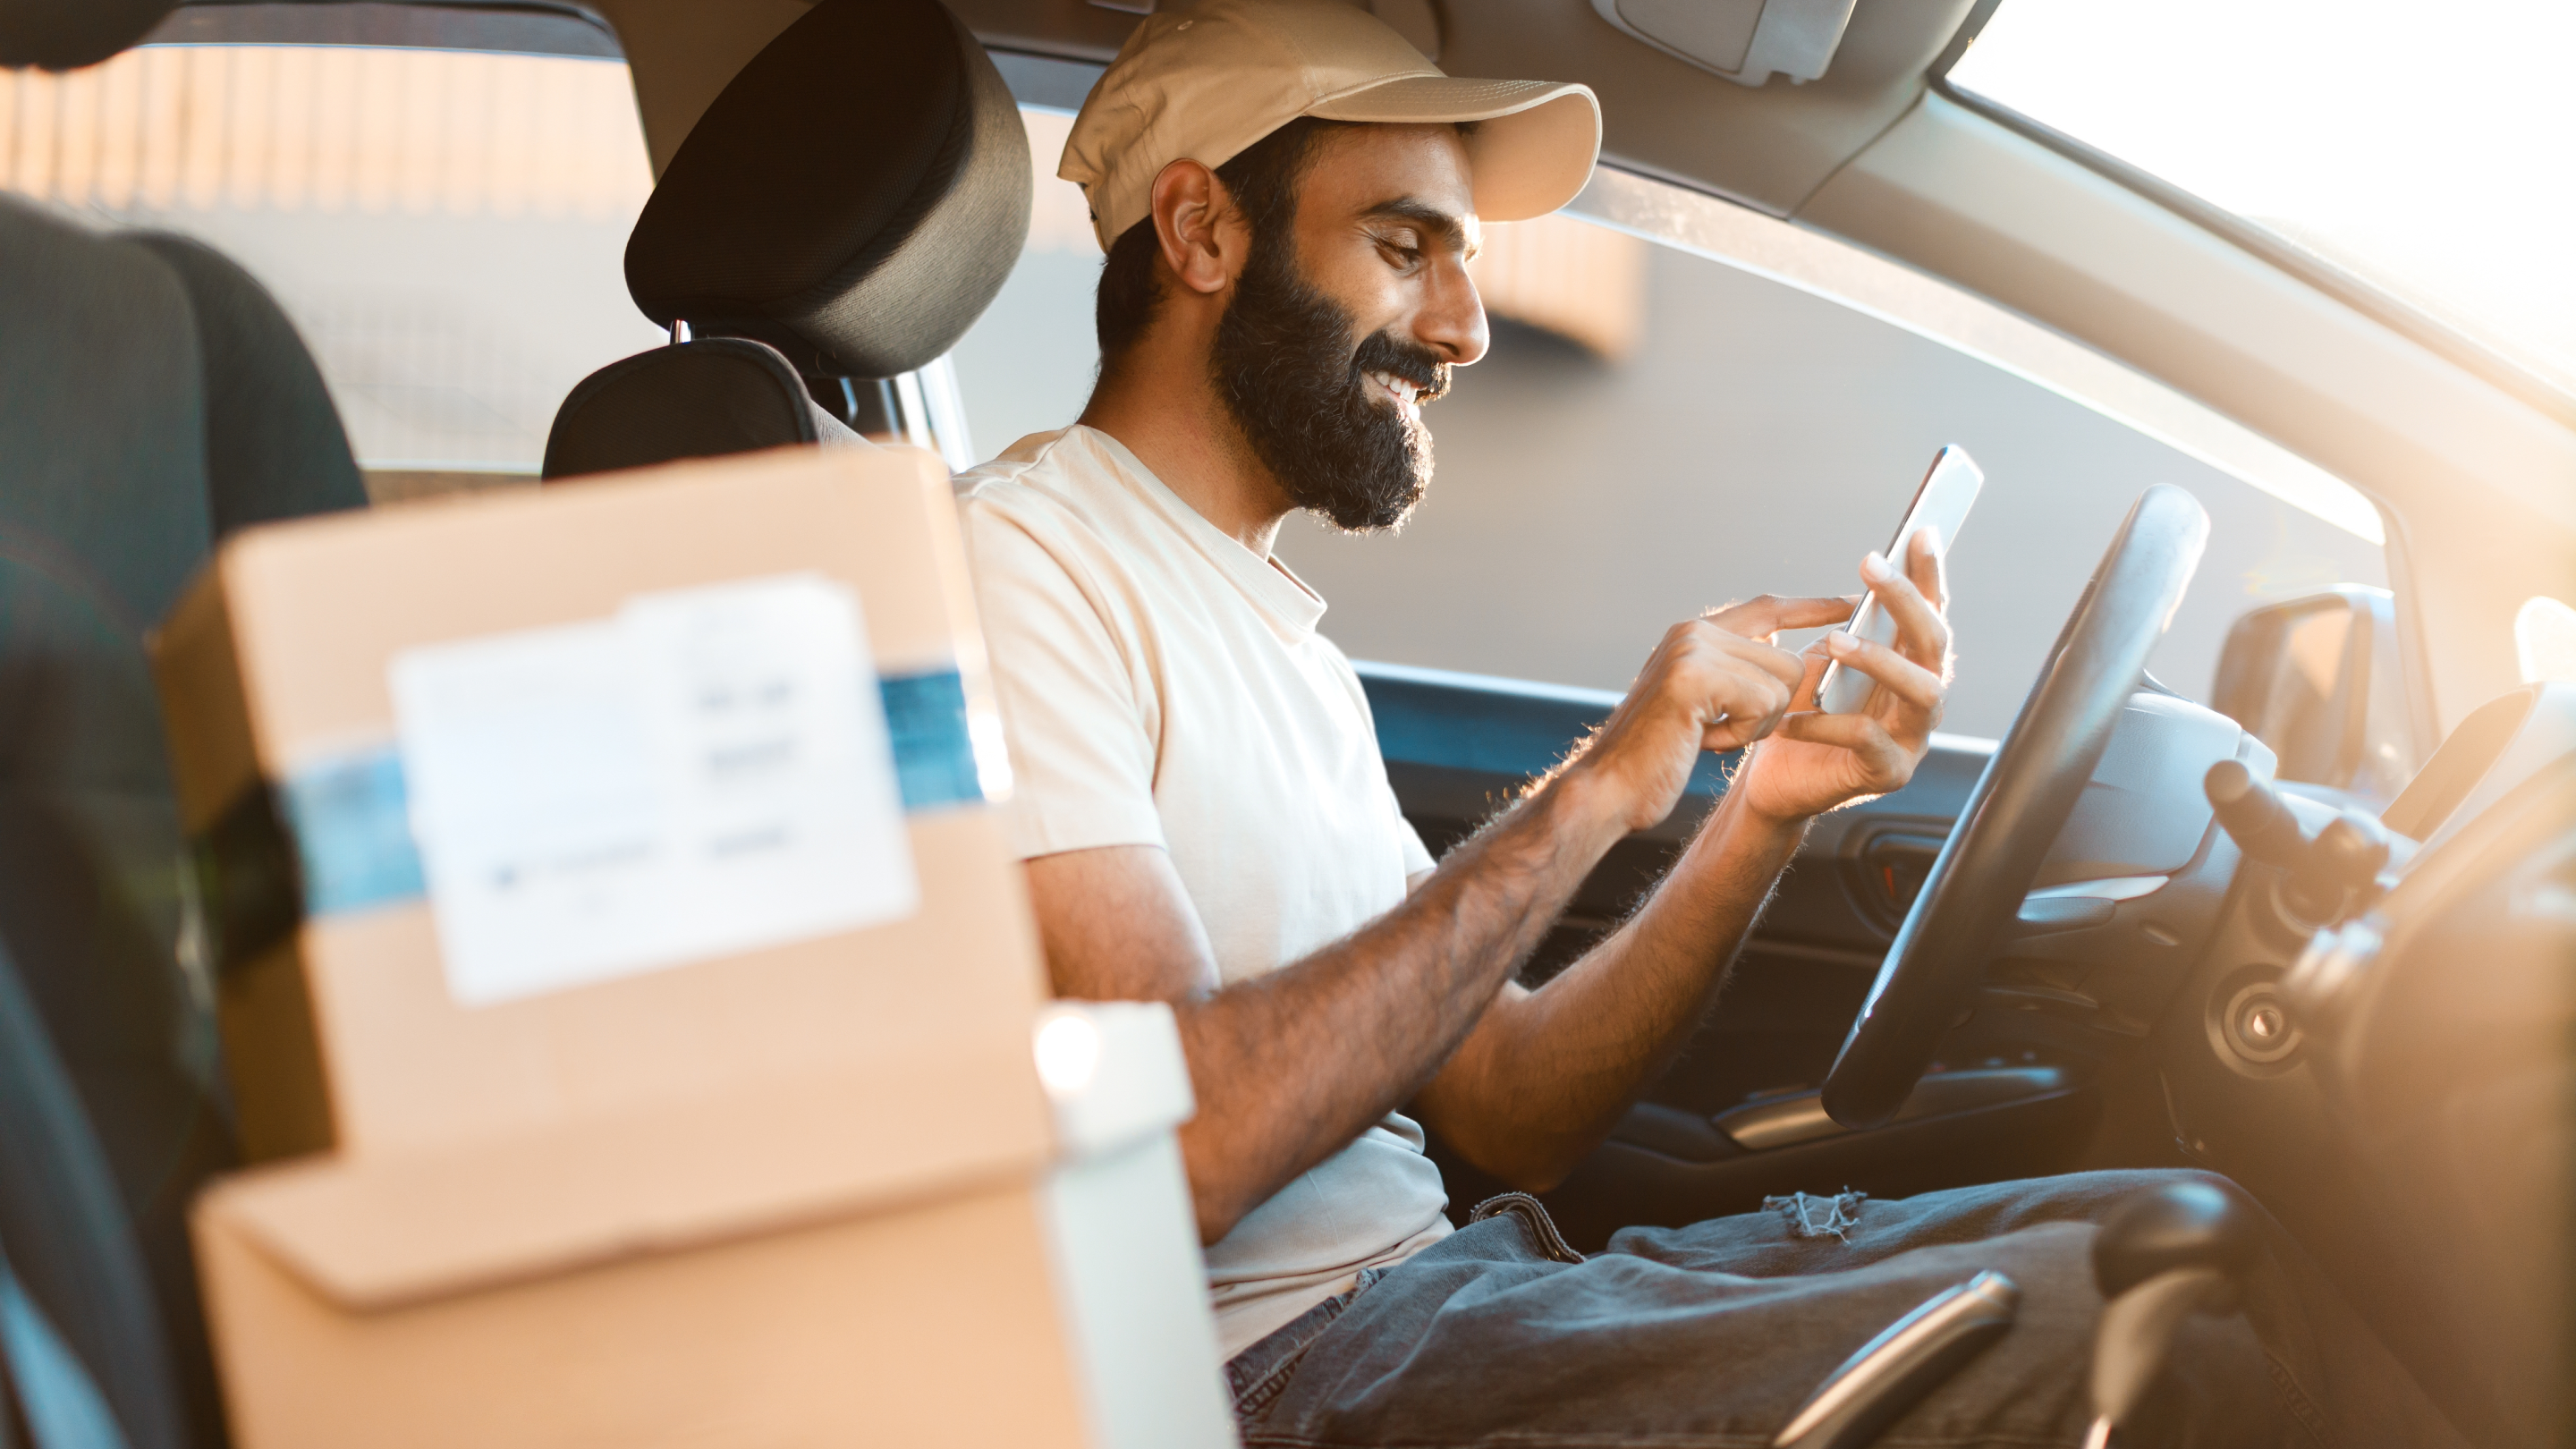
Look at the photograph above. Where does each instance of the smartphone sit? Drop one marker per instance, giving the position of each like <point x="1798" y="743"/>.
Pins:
<point x="1941" y="503"/>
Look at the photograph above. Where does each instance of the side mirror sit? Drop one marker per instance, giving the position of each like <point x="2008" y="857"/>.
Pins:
<point x="2319" y="679"/>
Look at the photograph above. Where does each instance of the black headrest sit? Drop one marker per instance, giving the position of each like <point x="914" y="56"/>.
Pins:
<point x="68" y="34"/>
<point x="855" y="197"/>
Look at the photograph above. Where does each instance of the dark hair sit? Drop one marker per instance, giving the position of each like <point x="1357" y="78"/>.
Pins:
<point x="1262" y="180"/>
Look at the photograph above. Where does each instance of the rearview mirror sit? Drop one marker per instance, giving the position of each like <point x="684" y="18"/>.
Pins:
<point x="2320" y="680"/>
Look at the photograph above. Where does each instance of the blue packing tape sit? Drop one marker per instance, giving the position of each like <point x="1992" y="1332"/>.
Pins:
<point x="351" y="824"/>
<point x="350" y="820"/>
<point x="934" y="755"/>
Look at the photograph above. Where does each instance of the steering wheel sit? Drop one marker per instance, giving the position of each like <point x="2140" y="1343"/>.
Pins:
<point x="2022" y="801"/>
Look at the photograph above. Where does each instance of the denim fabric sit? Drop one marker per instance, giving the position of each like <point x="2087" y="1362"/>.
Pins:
<point x="1714" y="1334"/>
<point x="1261" y="1373"/>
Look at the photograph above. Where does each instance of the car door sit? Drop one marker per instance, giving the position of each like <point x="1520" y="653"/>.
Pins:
<point x="1687" y="402"/>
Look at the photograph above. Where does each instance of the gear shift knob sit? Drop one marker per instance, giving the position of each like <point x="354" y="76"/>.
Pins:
<point x="2161" y="1254"/>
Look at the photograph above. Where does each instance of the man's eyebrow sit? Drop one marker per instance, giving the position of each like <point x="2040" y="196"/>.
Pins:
<point x="1444" y="226"/>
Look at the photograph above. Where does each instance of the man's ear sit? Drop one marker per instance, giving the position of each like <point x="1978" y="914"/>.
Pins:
<point x="1202" y="233"/>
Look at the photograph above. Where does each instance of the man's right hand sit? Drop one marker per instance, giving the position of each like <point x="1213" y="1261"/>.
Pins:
<point x="1717" y="682"/>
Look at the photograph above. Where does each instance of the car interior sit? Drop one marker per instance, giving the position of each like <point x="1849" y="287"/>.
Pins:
<point x="2146" y="926"/>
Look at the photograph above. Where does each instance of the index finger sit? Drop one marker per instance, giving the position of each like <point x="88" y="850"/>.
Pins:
<point x="1768" y="615"/>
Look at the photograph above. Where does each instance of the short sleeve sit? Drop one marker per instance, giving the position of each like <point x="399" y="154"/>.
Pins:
<point x="1417" y="858"/>
<point x="1082" y="753"/>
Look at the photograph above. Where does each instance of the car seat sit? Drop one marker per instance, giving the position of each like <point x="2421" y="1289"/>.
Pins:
<point x="839" y="217"/>
<point x="152" y="399"/>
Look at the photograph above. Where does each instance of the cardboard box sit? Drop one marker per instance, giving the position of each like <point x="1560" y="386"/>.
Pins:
<point x="357" y="1017"/>
<point x="926" y="1325"/>
<point x="785" y="1168"/>
<point x="408" y="1302"/>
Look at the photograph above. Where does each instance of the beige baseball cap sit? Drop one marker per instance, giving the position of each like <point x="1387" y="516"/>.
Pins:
<point x="1205" y="81"/>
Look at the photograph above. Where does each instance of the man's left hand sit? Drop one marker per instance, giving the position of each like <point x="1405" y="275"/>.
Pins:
<point x="1814" y="761"/>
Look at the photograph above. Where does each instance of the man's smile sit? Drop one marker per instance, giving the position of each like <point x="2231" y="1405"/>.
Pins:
<point x="1409" y="393"/>
<point x="1401" y="390"/>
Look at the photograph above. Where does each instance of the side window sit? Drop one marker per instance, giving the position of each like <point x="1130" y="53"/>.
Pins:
<point x="1028" y="364"/>
<point x="1687" y="402"/>
<point x="2544" y="641"/>
<point x="446" y="227"/>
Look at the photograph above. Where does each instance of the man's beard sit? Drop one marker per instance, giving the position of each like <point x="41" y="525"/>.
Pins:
<point x="1284" y="365"/>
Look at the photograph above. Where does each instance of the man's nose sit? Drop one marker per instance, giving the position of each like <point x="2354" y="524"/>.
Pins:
<point x="1452" y="320"/>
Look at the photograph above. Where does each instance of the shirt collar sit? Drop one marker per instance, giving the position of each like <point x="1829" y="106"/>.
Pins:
<point x="1276" y="591"/>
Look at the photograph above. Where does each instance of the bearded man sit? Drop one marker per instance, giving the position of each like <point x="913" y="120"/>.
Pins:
<point x="1288" y="195"/>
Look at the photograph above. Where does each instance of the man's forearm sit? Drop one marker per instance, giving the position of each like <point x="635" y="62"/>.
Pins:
<point x="1549" y="1072"/>
<point x="1292" y="1065"/>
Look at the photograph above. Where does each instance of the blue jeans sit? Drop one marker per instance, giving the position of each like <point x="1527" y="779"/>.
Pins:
<point x="1714" y="1334"/>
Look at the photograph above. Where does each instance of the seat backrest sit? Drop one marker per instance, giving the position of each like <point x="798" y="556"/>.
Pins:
<point x="689" y="400"/>
<point x="152" y="398"/>
<point x="66" y="34"/>
<point x="854" y="199"/>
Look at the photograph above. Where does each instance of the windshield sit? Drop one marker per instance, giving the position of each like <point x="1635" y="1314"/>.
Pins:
<point x="2423" y="147"/>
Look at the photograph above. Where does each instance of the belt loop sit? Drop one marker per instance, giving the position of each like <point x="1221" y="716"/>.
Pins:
<point x="1533" y="1215"/>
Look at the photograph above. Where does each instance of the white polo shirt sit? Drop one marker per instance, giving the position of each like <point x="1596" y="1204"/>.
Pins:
<point x="1164" y="685"/>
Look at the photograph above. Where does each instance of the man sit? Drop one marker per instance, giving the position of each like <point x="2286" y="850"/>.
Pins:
<point x="1288" y="195"/>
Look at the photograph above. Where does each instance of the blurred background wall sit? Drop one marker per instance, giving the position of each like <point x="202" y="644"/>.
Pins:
<point x="447" y="228"/>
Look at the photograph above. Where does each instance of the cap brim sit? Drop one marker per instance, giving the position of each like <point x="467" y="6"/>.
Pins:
<point x="1533" y="146"/>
